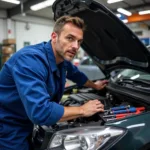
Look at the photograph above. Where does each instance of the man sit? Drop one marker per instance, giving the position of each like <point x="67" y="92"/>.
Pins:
<point x="32" y="83"/>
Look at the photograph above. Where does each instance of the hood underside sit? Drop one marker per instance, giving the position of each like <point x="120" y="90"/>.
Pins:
<point x="106" y="39"/>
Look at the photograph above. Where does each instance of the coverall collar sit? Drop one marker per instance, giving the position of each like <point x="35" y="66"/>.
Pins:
<point x="51" y="57"/>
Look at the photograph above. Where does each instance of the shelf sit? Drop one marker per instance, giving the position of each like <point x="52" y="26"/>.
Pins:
<point x="6" y="51"/>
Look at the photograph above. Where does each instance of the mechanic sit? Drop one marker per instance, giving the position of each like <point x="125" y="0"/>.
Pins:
<point x="32" y="82"/>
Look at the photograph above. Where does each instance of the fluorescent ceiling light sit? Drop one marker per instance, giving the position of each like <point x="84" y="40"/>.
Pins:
<point x="113" y="1"/>
<point x="144" y="12"/>
<point x="118" y="15"/>
<point x="123" y="11"/>
<point x="12" y="1"/>
<point x="125" y="21"/>
<point x="42" y="5"/>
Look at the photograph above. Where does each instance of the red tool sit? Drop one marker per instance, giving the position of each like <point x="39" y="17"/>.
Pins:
<point x="119" y="116"/>
<point x="122" y="115"/>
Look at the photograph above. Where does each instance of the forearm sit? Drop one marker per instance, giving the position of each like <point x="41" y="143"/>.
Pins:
<point x="90" y="84"/>
<point x="72" y="113"/>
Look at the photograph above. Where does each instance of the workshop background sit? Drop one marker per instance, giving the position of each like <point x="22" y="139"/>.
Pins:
<point x="25" y="22"/>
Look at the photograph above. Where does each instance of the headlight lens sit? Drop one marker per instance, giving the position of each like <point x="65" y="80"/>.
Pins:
<point x="87" y="138"/>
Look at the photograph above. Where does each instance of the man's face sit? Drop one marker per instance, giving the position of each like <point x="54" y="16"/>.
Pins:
<point x="68" y="42"/>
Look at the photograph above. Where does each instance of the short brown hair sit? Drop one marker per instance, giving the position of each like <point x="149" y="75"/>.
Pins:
<point x="68" y="19"/>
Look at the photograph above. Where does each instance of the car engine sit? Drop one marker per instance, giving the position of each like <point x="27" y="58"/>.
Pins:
<point x="77" y="97"/>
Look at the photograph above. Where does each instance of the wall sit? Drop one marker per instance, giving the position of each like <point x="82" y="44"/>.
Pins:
<point x="26" y="29"/>
<point x="140" y="27"/>
<point x="143" y="32"/>
<point x="32" y="33"/>
<point x="3" y="29"/>
<point x="33" y="19"/>
<point x="3" y="13"/>
<point x="31" y="29"/>
<point x="145" y="37"/>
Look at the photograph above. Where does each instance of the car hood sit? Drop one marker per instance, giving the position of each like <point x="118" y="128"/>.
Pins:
<point x="107" y="39"/>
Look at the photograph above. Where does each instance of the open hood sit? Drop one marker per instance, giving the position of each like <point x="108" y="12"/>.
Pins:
<point x="107" y="39"/>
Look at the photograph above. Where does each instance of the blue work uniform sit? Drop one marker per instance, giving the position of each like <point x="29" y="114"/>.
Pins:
<point x="31" y="86"/>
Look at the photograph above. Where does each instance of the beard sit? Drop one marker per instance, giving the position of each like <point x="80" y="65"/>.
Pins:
<point x="63" y="54"/>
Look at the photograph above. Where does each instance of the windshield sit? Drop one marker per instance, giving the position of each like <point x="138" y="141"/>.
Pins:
<point x="132" y="75"/>
<point x="132" y="79"/>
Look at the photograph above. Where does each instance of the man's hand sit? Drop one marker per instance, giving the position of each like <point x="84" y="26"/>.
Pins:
<point x="100" y="84"/>
<point x="86" y="110"/>
<point x="91" y="107"/>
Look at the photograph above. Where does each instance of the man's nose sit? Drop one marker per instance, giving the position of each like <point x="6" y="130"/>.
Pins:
<point x="75" y="45"/>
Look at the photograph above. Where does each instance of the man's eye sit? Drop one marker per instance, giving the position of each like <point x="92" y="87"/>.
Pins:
<point x="70" y="38"/>
<point x="80" y="42"/>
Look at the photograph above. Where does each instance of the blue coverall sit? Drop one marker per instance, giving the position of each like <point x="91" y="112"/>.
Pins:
<point x="31" y="86"/>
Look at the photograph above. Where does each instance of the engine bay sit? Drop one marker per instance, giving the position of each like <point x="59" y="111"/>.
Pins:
<point x="116" y="107"/>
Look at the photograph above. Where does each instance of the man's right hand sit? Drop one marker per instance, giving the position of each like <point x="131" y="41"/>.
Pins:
<point x="91" y="107"/>
<point x="86" y="110"/>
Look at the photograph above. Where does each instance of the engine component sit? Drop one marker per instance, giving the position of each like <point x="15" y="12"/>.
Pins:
<point x="81" y="98"/>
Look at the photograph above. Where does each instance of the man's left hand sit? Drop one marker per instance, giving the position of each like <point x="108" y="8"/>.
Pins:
<point x="100" y="84"/>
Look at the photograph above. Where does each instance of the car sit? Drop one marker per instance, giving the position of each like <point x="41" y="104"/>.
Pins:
<point x="87" y="66"/>
<point x="125" y="62"/>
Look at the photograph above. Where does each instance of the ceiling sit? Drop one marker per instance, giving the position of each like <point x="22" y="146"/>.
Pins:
<point x="132" y="5"/>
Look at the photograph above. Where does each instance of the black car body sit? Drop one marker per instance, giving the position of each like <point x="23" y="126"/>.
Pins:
<point x="125" y="61"/>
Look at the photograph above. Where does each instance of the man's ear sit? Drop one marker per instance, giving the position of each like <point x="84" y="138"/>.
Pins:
<point x="54" y="36"/>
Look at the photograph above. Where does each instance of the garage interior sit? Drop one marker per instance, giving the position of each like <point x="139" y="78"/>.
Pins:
<point x="126" y="85"/>
<point x="27" y="24"/>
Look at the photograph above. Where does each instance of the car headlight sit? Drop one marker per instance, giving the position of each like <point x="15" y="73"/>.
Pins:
<point x="84" y="138"/>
